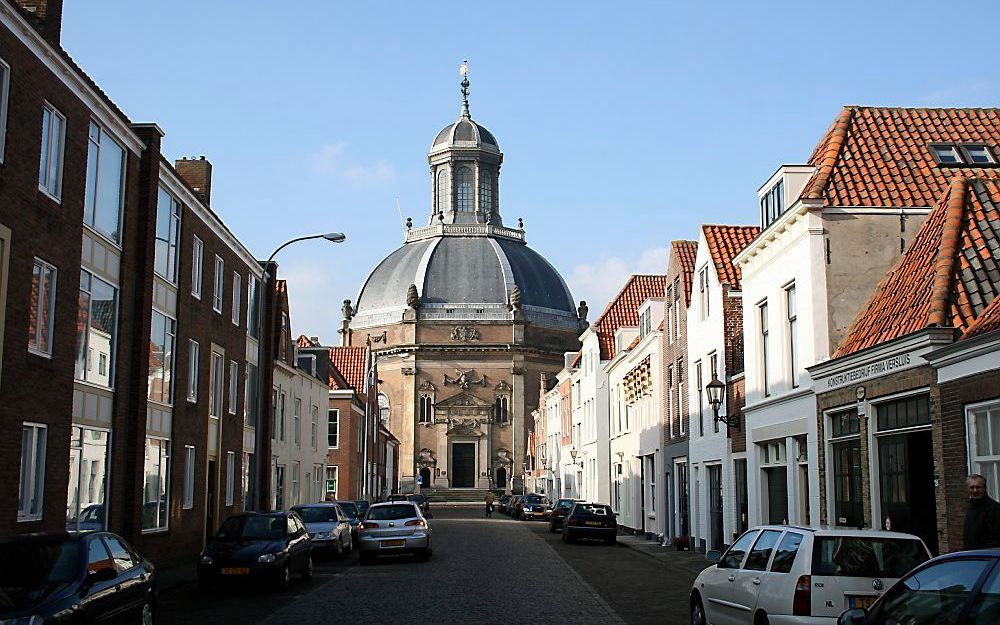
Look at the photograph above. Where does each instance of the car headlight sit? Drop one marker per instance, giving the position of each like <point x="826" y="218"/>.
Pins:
<point x="206" y="560"/>
<point x="266" y="558"/>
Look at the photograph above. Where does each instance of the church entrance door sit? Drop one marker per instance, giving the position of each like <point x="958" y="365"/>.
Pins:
<point x="501" y="478"/>
<point x="463" y="465"/>
<point x="425" y="478"/>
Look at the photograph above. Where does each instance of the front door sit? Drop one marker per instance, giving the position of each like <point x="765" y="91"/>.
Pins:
<point x="463" y="465"/>
<point x="425" y="478"/>
<point x="777" y="495"/>
<point x="907" y="485"/>
<point x="716" y="539"/>
<point x="501" y="478"/>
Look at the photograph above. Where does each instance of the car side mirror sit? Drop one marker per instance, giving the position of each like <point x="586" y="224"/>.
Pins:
<point x="105" y="574"/>
<point x="713" y="556"/>
<point x="854" y="616"/>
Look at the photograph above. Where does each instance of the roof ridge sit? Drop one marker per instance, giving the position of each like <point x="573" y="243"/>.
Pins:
<point x="950" y="234"/>
<point x="838" y="134"/>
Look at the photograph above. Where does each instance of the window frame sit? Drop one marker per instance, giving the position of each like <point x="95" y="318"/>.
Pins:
<point x="333" y="420"/>
<point x="187" y="494"/>
<point x="216" y="382"/>
<point x="35" y="509"/>
<point x="164" y="465"/>
<point x="230" y="477"/>
<point x="93" y="194"/>
<point x="704" y="291"/>
<point x="44" y="165"/>
<point x="197" y="266"/>
<point x="991" y="157"/>
<point x="336" y="480"/>
<point x="33" y="342"/>
<point x="237" y="295"/>
<point x="234" y="388"/>
<point x="764" y="335"/>
<point x="990" y="407"/>
<point x="4" y="100"/>
<point x="194" y="356"/>
<point x="173" y="239"/>
<point x="220" y="285"/>
<point x="168" y="372"/>
<point x="297" y="421"/>
<point x="791" y="325"/>
<point x="93" y="277"/>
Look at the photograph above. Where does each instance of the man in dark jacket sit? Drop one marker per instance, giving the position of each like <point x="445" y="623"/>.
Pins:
<point x="982" y="519"/>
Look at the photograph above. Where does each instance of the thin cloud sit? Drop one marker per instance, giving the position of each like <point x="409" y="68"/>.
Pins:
<point x="332" y="161"/>
<point x="600" y="280"/>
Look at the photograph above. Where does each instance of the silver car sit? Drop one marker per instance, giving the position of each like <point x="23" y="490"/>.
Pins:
<point x="393" y="528"/>
<point x="328" y="527"/>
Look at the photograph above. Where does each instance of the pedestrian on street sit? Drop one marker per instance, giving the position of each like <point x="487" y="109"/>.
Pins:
<point x="982" y="518"/>
<point x="489" y="504"/>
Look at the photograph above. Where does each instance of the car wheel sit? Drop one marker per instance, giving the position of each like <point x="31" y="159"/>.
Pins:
<point x="307" y="572"/>
<point x="285" y="577"/>
<point x="350" y="545"/>
<point x="338" y="549"/>
<point x="762" y="619"/>
<point x="567" y="537"/>
<point x="147" y="613"/>
<point x="697" y="613"/>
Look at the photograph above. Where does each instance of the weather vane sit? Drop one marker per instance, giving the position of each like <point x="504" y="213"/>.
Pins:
<point x="464" y="71"/>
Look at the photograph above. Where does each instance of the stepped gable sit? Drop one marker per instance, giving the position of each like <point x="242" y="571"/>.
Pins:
<point x="724" y="243"/>
<point x="623" y="310"/>
<point x="948" y="276"/>
<point x="881" y="156"/>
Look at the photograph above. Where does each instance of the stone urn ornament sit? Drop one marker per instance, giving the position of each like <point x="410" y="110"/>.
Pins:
<point x="412" y="297"/>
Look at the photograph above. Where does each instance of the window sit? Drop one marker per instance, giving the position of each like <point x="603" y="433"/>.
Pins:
<point x="220" y="277"/>
<point x="215" y="386"/>
<point x="701" y="399"/>
<point x="703" y="291"/>
<point x="314" y="429"/>
<point x="168" y="224"/>
<point x="105" y="181"/>
<point x="383" y="408"/>
<point x="671" y="408"/>
<point x="443" y="190"/>
<point x="761" y="552"/>
<point x="4" y="92"/>
<point x="297" y="421"/>
<point x="935" y="591"/>
<point x="32" y="486"/>
<point x="946" y="154"/>
<point x="160" y="380"/>
<point x="501" y="409"/>
<point x="984" y="443"/>
<point x="230" y="477"/>
<point x="463" y="190"/>
<point x="193" y="349"/>
<point x="903" y="413"/>
<point x="53" y="139"/>
<point x="485" y="191"/>
<point x="764" y="348"/>
<point x="987" y="606"/>
<point x="155" y="494"/>
<point x="88" y="470"/>
<point x="713" y="367"/>
<point x="682" y="422"/>
<point x="332" y="486"/>
<point x="677" y="309"/>
<point x="42" y="308"/>
<point x="295" y="482"/>
<point x="978" y="155"/>
<point x="772" y="204"/>
<point x="234" y="385"/>
<point x="253" y="306"/>
<point x="963" y="154"/>
<point x="279" y="487"/>
<point x="734" y="556"/>
<point x="784" y="557"/>
<point x="237" y="293"/>
<point x="251" y="400"/>
<point x="645" y="324"/>
<point x="187" y="500"/>
<point x="790" y="308"/>
<point x="281" y="415"/>
<point x="197" y="258"/>
<point x="651" y="471"/>
<point x="333" y="429"/>
<point x="119" y="553"/>
<point x="845" y="448"/>
<point x="283" y="337"/>
<point x="426" y="409"/>
<point x="97" y="328"/>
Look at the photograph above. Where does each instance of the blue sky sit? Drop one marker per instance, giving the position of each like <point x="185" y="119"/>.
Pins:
<point x="623" y="125"/>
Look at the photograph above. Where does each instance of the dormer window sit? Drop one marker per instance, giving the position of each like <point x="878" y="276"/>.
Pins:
<point x="772" y="204"/>
<point x="959" y="154"/>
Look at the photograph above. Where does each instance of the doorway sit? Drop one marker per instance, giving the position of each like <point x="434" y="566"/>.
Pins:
<point x="210" y="507"/>
<point x="777" y="495"/>
<point x="502" y="478"/>
<point x="907" y="485"/>
<point x="715" y="506"/>
<point x="463" y="465"/>
<point x="425" y="478"/>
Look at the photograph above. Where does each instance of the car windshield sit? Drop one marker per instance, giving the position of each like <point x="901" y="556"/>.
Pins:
<point x="38" y="562"/>
<point x="363" y="505"/>
<point x="349" y="509"/>
<point x="864" y="556"/>
<point x="533" y="499"/>
<point x="317" y="514"/>
<point x="253" y="528"/>
<point x="566" y="503"/>
<point x="391" y="513"/>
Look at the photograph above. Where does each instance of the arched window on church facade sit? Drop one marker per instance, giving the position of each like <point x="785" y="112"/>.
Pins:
<point x="383" y="408"/>
<point x="443" y="191"/>
<point x="463" y="190"/>
<point x="500" y="409"/>
<point x="426" y="408"/>
<point x="485" y="191"/>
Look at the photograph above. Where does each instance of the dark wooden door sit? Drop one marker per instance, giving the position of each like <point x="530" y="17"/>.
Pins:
<point x="715" y="507"/>
<point x="777" y="495"/>
<point x="425" y="478"/>
<point x="463" y="461"/>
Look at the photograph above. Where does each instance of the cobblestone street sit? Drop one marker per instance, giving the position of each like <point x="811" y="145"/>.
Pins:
<point x="580" y="583"/>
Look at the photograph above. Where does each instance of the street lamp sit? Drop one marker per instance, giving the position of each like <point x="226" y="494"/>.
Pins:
<point x="262" y="394"/>
<point x="715" y="389"/>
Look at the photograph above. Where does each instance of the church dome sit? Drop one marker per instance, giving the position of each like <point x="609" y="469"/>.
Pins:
<point x="464" y="133"/>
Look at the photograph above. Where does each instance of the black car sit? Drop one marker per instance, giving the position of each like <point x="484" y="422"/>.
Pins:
<point x="270" y="546"/>
<point x="590" y="520"/>
<point x="957" y="588"/>
<point x="75" y="577"/>
<point x="354" y="516"/>
<point x="502" y="502"/>
<point x="559" y="512"/>
<point x="363" y="505"/>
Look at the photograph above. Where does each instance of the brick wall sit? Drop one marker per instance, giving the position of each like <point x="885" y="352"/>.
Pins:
<point x="675" y="353"/>
<point x="347" y="456"/>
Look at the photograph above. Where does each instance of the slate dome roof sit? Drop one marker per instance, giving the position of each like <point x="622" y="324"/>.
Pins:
<point x="464" y="133"/>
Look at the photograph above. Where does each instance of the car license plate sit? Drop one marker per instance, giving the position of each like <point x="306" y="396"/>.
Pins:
<point x="392" y="543"/>
<point x="241" y="570"/>
<point x="592" y="523"/>
<point x="860" y="602"/>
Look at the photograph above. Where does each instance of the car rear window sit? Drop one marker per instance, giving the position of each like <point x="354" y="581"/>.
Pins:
<point x="592" y="509"/>
<point x="349" y="508"/>
<point x="533" y="499"/>
<point x="863" y="556"/>
<point x="317" y="514"/>
<point x="391" y="513"/>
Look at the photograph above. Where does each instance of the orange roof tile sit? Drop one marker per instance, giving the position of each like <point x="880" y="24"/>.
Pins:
<point x="686" y="252"/>
<point x="987" y="322"/>
<point x="350" y="363"/>
<point x="305" y="341"/>
<point x="879" y="156"/>
<point x="724" y="243"/>
<point x="948" y="275"/>
<point x="623" y="310"/>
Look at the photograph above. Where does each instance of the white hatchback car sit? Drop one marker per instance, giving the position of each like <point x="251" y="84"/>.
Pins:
<point x="781" y="574"/>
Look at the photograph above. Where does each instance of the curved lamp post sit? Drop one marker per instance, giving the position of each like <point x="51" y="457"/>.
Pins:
<point x="715" y="390"/>
<point x="333" y="237"/>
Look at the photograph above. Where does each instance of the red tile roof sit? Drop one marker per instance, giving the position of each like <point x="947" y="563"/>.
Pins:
<point x="350" y="363"/>
<point x="724" y="243"/>
<point x="948" y="275"/>
<point x="686" y="253"/>
<point x="878" y="156"/>
<point x="986" y="322"/>
<point x="623" y="310"/>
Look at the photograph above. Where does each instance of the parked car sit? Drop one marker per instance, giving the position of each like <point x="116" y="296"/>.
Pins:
<point x="396" y="497"/>
<point x="782" y="574"/>
<point x="328" y="527"/>
<point x="91" y="519"/>
<point x="502" y="503"/>
<point x="559" y="512"/>
<point x="533" y="506"/>
<point x="354" y="516"/>
<point x="269" y="546"/>
<point x="362" y="505"/>
<point x="965" y="586"/>
<point x="93" y="576"/>
<point x="591" y="521"/>
<point x="394" y="528"/>
<point x="423" y="502"/>
<point x="512" y="505"/>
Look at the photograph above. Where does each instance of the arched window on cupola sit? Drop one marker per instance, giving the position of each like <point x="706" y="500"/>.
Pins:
<point x="485" y="191"/>
<point x="443" y="191"/>
<point x="463" y="190"/>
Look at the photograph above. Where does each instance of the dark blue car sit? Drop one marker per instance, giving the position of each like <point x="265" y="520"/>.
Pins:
<point x="266" y="546"/>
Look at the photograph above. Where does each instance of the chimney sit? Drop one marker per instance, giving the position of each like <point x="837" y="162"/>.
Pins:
<point x="197" y="173"/>
<point x="47" y="17"/>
